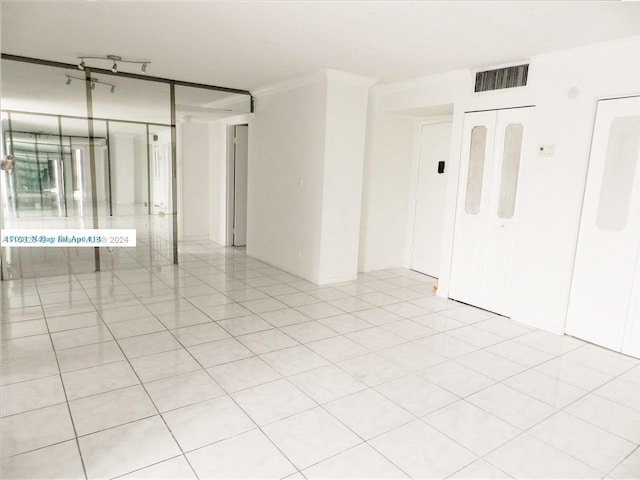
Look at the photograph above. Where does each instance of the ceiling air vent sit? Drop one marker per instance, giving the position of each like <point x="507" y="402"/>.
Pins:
<point x="500" y="78"/>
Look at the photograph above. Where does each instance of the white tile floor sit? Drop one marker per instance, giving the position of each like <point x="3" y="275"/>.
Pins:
<point x="225" y="367"/>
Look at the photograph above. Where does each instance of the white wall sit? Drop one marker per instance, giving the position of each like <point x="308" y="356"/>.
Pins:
<point x="347" y="99"/>
<point x="122" y="168"/>
<point x="286" y="156"/>
<point x="141" y="179"/>
<point x="194" y="168"/>
<point x="553" y="187"/>
<point x="385" y="199"/>
<point x="306" y="148"/>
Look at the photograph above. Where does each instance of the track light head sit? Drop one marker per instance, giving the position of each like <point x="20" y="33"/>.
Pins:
<point x="144" y="67"/>
<point x="81" y="65"/>
<point x="93" y="85"/>
<point x="114" y="69"/>
<point x="68" y="80"/>
<point x="113" y="88"/>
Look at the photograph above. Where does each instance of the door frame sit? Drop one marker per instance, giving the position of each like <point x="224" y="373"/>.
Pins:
<point x="415" y="168"/>
<point x="231" y="189"/>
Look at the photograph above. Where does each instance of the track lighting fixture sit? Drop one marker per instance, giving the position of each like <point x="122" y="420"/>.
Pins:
<point x="94" y="82"/>
<point x="115" y="59"/>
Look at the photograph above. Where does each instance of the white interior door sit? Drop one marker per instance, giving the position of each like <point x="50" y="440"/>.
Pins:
<point x="241" y="158"/>
<point x="486" y="229"/>
<point x="431" y="190"/>
<point x="604" y="306"/>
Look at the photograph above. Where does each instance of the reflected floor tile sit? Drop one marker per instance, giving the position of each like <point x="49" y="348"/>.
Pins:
<point x="80" y="337"/>
<point x="267" y="341"/>
<point x="100" y="379"/>
<point x="241" y="457"/>
<point x="621" y="391"/>
<point x="123" y="449"/>
<point x="182" y="390"/>
<point x="149" y="344"/>
<point x="629" y="468"/>
<point x="368" y="413"/>
<point x="32" y="394"/>
<point x="573" y="373"/>
<point x="24" y="328"/>
<point x="479" y="470"/>
<point x="197" y="334"/>
<point x="243" y="374"/>
<point x="608" y="415"/>
<point x="528" y="457"/>
<point x="511" y="406"/>
<point x="29" y="368"/>
<point x="417" y="395"/>
<point x="377" y="316"/>
<point x="490" y="364"/>
<point x="447" y="346"/>
<point x="98" y="412"/>
<point x="308" y="331"/>
<point x="181" y="319"/>
<point x="345" y="323"/>
<point x="412" y="356"/>
<point x="89" y="356"/>
<point x="602" y="360"/>
<point x="222" y="351"/>
<point x="372" y="369"/>
<point x="327" y="383"/>
<point x="273" y="401"/>
<point x="57" y="461"/>
<point x="138" y="326"/>
<point x="207" y="422"/>
<point x="336" y="349"/>
<point x="456" y="378"/>
<point x="36" y="429"/>
<point x="163" y="365"/>
<point x="519" y="353"/>
<point x="360" y="462"/>
<point x="473" y="428"/>
<point x="244" y="325"/>
<point x="316" y="311"/>
<point x="421" y="451"/>
<point x="311" y="436"/>
<point x="281" y="318"/>
<point x="26" y="346"/>
<point x="375" y="338"/>
<point x="290" y="361"/>
<point x="591" y="445"/>
<point x="548" y="389"/>
<point x="175" y="469"/>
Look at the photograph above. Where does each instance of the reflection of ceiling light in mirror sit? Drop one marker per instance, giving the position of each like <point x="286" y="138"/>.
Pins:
<point x="93" y="85"/>
<point x="113" y="88"/>
<point x="94" y="82"/>
<point x="115" y="58"/>
<point x="68" y="80"/>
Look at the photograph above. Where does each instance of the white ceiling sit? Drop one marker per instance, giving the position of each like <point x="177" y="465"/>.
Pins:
<point x="251" y="44"/>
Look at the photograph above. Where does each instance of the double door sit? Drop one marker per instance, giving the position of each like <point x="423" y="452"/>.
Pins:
<point x="604" y="305"/>
<point x="487" y="216"/>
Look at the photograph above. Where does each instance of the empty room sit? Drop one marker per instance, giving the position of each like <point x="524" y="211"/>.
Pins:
<point x="320" y="240"/>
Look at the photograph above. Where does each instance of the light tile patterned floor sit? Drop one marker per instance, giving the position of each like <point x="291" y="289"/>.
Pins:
<point x="225" y="367"/>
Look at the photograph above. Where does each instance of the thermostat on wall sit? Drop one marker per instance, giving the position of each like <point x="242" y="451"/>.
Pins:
<point x="546" y="150"/>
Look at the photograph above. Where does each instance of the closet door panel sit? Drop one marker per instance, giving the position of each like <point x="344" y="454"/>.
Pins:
<point x="470" y="234"/>
<point x="603" y="305"/>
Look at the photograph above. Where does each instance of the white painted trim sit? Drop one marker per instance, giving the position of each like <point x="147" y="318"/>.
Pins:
<point x="347" y="77"/>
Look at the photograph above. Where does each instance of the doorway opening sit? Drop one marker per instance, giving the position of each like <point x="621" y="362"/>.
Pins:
<point x="237" y="175"/>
